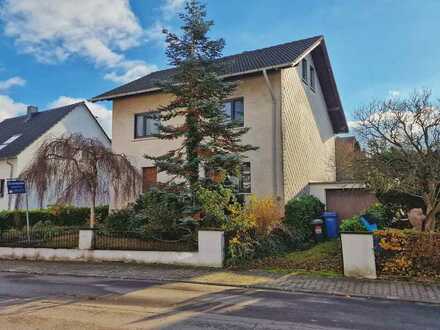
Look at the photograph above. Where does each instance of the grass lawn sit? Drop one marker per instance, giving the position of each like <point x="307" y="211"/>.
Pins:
<point x="324" y="259"/>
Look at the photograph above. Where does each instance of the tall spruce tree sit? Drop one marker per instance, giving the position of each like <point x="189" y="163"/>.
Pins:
<point x="210" y="140"/>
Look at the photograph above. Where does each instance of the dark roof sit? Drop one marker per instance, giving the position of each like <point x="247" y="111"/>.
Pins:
<point x="249" y="62"/>
<point x="258" y="59"/>
<point x="30" y="129"/>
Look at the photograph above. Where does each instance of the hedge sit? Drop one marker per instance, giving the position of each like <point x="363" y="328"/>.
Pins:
<point x="407" y="253"/>
<point x="299" y="212"/>
<point x="67" y="216"/>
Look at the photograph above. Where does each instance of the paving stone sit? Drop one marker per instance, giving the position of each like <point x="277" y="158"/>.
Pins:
<point x="410" y="291"/>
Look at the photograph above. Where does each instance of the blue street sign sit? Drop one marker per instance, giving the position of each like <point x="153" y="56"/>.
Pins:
<point x="16" y="187"/>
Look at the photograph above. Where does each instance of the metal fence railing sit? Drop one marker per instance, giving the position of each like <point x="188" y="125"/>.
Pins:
<point x="105" y="240"/>
<point x="64" y="238"/>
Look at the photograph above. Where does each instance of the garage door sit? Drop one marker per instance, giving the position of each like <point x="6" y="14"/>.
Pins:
<point x="348" y="202"/>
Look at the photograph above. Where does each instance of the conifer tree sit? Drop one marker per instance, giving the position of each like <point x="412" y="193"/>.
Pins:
<point x="209" y="139"/>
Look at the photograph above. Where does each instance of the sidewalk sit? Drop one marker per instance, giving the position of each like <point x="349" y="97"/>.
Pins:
<point x="407" y="291"/>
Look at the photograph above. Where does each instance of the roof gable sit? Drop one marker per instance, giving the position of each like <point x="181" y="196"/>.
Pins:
<point x="30" y="129"/>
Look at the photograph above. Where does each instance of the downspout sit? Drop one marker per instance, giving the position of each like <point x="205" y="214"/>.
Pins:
<point x="11" y="176"/>
<point x="274" y="133"/>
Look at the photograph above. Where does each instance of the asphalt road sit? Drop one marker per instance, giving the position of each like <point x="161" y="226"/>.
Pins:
<point x="66" y="302"/>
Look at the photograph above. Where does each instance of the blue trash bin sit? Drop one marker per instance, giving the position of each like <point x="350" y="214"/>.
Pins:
<point x="331" y="224"/>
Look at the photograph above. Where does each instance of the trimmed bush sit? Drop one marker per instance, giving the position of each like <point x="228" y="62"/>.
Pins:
<point x="156" y="214"/>
<point x="299" y="212"/>
<point x="66" y="216"/>
<point x="353" y="224"/>
<point x="120" y="220"/>
<point x="408" y="253"/>
<point x="383" y="215"/>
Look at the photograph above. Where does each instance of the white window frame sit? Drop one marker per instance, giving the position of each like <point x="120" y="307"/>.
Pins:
<point x="233" y="112"/>
<point x="312" y="78"/>
<point x="304" y="70"/>
<point x="145" y="117"/>
<point x="248" y="174"/>
<point x="2" y="187"/>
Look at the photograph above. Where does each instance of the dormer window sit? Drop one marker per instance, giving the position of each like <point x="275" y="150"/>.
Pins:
<point x="9" y="141"/>
<point x="312" y="78"/>
<point x="304" y="70"/>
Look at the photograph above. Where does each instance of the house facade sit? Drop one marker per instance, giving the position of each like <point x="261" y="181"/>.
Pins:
<point x="286" y="94"/>
<point x="20" y="138"/>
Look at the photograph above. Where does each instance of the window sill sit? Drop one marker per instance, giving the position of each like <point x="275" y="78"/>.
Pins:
<point x="146" y="138"/>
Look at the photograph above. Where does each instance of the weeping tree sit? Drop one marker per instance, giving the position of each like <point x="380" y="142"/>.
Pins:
<point x="75" y="167"/>
<point x="402" y="149"/>
<point x="209" y="138"/>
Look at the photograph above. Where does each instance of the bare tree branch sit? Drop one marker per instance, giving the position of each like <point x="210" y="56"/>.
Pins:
<point x="77" y="167"/>
<point x="402" y="143"/>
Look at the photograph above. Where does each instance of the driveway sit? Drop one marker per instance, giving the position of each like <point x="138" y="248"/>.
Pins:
<point x="78" y="302"/>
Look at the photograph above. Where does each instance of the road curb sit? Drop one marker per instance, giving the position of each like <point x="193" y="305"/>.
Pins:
<point x="243" y="286"/>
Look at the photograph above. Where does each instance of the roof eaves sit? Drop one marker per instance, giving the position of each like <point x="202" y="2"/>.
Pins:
<point x="8" y="157"/>
<point x="308" y="50"/>
<point x="335" y="88"/>
<point x="97" y="122"/>
<point x="149" y="90"/>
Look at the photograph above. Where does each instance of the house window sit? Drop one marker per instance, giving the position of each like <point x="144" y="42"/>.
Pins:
<point x="149" y="178"/>
<point x="245" y="178"/>
<point x="312" y="78"/>
<point x="304" y="70"/>
<point x="146" y="124"/>
<point x="234" y="110"/>
<point x="2" y="188"/>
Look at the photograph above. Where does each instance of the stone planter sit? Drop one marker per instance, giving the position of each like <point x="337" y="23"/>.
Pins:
<point x="358" y="255"/>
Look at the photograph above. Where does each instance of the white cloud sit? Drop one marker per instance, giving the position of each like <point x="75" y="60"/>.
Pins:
<point x="168" y="10"/>
<point x="14" y="81"/>
<point x="353" y="124"/>
<point x="171" y="7"/>
<point x="9" y="108"/>
<point x="103" y="114"/>
<point x="130" y="70"/>
<point x="155" y="33"/>
<point x="99" y="30"/>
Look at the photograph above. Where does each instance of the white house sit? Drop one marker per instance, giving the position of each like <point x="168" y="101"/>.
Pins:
<point x="20" y="138"/>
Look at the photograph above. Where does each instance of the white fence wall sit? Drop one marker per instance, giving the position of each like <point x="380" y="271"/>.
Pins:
<point x="210" y="253"/>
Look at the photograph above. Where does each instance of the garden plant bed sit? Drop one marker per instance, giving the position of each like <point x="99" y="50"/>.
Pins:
<point x="323" y="259"/>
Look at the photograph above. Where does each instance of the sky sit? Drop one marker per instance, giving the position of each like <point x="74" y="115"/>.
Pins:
<point x="56" y="52"/>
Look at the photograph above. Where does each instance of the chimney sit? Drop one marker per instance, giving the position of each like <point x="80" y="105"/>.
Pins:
<point x="31" y="109"/>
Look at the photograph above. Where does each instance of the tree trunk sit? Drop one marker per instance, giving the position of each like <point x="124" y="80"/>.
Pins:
<point x="430" y="217"/>
<point x="92" y="211"/>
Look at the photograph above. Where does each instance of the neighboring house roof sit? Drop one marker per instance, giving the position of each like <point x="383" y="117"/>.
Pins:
<point x="24" y="130"/>
<point x="270" y="58"/>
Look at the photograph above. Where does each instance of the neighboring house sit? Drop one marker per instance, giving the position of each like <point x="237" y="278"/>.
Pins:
<point x="347" y="148"/>
<point x="20" y="138"/>
<point x="345" y="196"/>
<point x="286" y="94"/>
